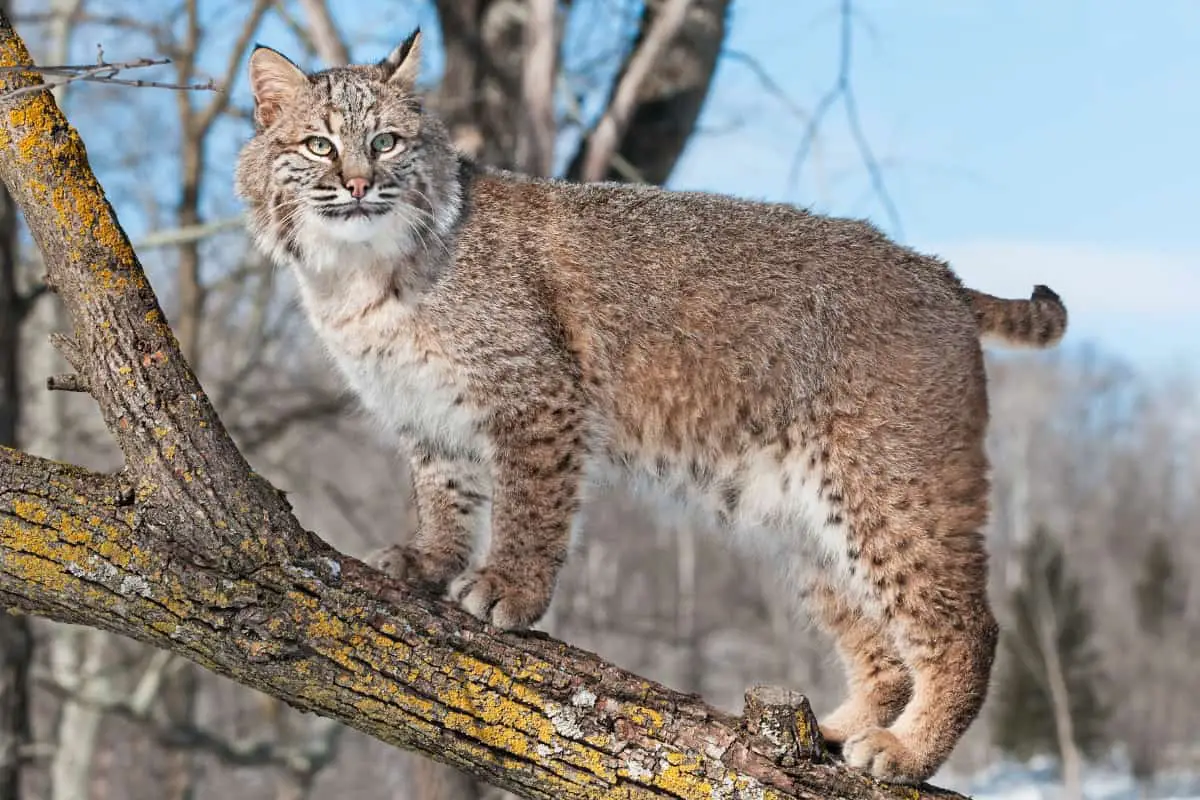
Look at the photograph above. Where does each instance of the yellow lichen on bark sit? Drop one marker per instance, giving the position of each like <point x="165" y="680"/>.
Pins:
<point x="45" y="140"/>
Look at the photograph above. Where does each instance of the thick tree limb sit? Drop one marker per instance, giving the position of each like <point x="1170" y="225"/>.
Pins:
<point x="525" y="712"/>
<point x="188" y="550"/>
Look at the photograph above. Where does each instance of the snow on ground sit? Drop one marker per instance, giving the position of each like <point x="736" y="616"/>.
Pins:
<point x="1038" y="780"/>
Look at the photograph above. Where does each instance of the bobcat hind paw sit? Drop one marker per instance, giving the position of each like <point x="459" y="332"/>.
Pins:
<point x="882" y="755"/>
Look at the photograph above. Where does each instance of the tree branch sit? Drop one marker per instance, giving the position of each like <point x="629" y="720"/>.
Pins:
<point x="668" y="102"/>
<point x="603" y="141"/>
<point x="69" y="382"/>
<point x="843" y="90"/>
<point x="327" y="41"/>
<point x="535" y="146"/>
<point x="218" y="104"/>
<point x="327" y="634"/>
<point x="203" y="558"/>
<point x="103" y="72"/>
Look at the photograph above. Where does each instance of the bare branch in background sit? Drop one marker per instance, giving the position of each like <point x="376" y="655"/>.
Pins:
<point x="322" y="30"/>
<point x="196" y="125"/>
<point x="669" y="100"/>
<point x="220" y="103"/>
<point x="535" y="153"/>
<point x="843" y="89"/>
<point x="105" y="72"/>
<point x="173" y="237"/>
<point x="603" y="141"/>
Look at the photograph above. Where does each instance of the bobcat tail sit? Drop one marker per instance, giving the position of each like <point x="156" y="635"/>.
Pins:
<point x="1039" y="321"/>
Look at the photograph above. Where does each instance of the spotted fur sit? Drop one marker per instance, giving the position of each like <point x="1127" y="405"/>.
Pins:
<point x="810" y="390"/>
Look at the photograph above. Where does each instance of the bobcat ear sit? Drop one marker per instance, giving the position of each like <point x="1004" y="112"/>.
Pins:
<point x="403" y="65"/>
<point x="274" y="81"/>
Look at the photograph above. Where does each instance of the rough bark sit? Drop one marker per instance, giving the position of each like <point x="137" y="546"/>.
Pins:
<point x="188" y="550"/>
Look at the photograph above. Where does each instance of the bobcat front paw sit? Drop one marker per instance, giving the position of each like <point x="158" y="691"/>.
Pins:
<point x="843" y="723"/>
<point x="505" y="602"/>
<point x="882" y="755"/>
<point x="414" y="567"/>
<point x="859" y="713"/>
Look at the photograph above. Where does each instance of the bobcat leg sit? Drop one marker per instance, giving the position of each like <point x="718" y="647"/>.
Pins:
<point x="879" y="684"/>
<point x="452" y="504"/>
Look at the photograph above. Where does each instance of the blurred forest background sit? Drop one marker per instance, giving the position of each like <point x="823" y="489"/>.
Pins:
<point x="1095" y="534"/>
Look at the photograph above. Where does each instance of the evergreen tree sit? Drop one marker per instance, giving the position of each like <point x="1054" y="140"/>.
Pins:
<point x="1023" y="721"/>
<point x="1160" y="592"/>
<point x="1160" y="596"/>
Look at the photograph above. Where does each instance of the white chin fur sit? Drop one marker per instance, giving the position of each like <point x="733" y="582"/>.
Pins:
<point x="355" y="231"/>
<point x="336" y="243"/>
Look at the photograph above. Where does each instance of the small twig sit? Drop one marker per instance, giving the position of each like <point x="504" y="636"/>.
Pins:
<point x="70" y="382"/>
<point x="843" y="90"/>
<point x="72" y="69"/>
<point x="100" y="72"/>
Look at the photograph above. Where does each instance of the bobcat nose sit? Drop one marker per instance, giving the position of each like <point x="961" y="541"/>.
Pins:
<point x="358" y="187"/>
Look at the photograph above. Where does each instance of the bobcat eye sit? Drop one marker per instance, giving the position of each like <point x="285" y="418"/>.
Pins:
<point x="318" y="145"/>
<point x="384" y="143"/>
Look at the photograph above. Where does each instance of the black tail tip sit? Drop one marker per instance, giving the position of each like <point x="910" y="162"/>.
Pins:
<point x="1041" y="292"/>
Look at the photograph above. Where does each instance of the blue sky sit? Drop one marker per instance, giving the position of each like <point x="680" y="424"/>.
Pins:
<point x="1024" y="141"/>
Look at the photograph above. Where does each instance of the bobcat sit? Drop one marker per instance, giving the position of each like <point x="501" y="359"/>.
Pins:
<point x="813" y="390"/>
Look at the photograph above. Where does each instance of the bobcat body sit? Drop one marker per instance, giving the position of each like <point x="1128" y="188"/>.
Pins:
<point x="806" y="387"/>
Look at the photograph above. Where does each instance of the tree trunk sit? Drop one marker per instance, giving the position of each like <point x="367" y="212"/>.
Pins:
<point x="16" y="638"/>
<point x="77" y="664"/>
<point x="16" y="653"/>
<point x="1060" y="701"/>
<point x="669" y="101"/>
<point x="188" y="550"/>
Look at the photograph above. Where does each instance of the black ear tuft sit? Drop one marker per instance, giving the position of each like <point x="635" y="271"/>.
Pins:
<point x="398" y="56"/>
<point x="402" y="64"/>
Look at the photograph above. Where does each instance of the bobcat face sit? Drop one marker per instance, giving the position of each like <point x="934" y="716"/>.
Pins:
<point x="348" y="159"/>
